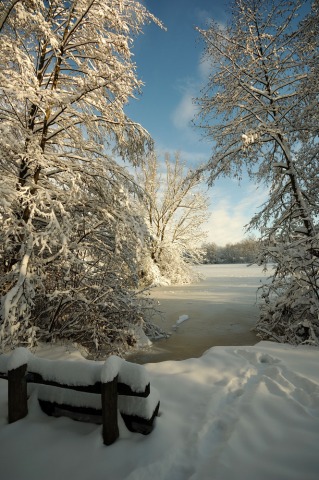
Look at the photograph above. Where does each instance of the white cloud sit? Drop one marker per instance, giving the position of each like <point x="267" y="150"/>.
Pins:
<point x="204" y="68"/>
<point x="184" y="112"/>
<point x="204" y="17"/>
<point x="186" y="109"/>
<point x="226" y="224"/>
<point x="228" y="218"/>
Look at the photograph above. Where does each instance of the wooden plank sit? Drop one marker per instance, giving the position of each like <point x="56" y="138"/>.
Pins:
<point x="81" y="414"/>
<point x="109" y="412"/>
<point x="123" y="389"/>
<point x="141" y="425"/>
<point x="17" y="394"/>
<point x="37" y="378"/>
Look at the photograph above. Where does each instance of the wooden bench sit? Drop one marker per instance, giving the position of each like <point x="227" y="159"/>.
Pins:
<point x="83" y="390"/>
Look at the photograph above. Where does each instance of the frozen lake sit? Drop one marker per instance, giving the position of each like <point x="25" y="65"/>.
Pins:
<point x="221" y="309"/>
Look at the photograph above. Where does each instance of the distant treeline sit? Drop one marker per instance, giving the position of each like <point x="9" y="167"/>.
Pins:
<point x="241" y="252"/>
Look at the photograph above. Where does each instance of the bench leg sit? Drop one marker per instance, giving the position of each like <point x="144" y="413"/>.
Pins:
<point x="17" y="394"/>
<point x="109" y="412"/>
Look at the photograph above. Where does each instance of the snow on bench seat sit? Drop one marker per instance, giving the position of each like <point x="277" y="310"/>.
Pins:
<point x="78" y="372"/>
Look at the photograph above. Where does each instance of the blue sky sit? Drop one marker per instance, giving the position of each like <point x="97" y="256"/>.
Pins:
<point x="171" y="67"/>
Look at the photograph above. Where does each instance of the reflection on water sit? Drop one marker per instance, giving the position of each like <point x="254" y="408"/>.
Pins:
<point x="222" y="310"/>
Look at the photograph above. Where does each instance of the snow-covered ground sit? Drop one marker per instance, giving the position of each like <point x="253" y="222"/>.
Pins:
<point x="235" y="413"/>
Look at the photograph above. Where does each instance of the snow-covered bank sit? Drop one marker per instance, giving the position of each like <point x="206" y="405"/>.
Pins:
<point x="235" y="413"/>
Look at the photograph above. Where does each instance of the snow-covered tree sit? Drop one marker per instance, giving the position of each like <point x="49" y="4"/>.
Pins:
<point x="257" y="108"/>
<point x="176" y="207"/>
<point x="245" y="251"/>
<point x="69" y="237"/>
